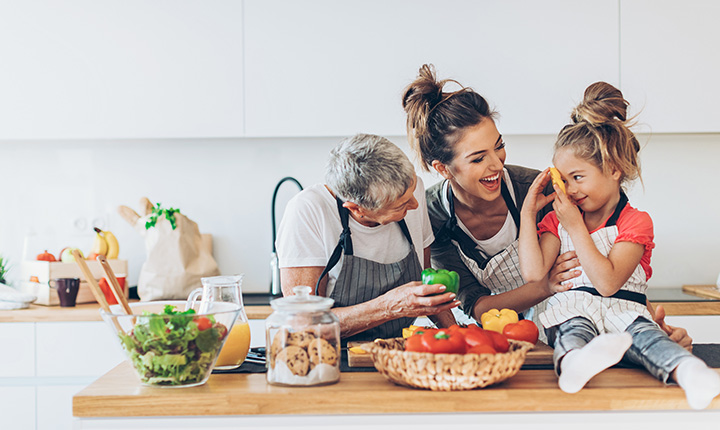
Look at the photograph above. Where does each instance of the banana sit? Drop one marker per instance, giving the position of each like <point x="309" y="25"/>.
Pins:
<point x="113" y="245"/>
<point x="100" y="244"/>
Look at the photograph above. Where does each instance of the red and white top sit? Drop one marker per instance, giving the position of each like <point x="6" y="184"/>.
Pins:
<point x="609" y="314"/>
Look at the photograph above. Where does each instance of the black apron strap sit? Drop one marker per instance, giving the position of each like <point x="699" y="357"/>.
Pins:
<point x="631" y="296"/>
<point x="510" y="203"/>
<point x="406" y="232"/>
<point x="616" y="214"/>
<point x="344" y="244"/>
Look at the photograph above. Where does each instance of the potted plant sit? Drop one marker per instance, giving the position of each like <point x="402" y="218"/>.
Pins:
<point x="4" y="268"/>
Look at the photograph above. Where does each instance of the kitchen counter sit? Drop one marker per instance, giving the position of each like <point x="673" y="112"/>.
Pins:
<point x="674" y="300"/>
<point x="119" y="394"/>
<point x="90" y="312"/>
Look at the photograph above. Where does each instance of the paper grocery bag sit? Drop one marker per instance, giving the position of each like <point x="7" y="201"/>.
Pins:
<point x="176" y="259"/>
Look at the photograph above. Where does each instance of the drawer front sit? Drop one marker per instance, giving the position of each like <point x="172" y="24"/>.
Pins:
<point x="702" y="328"/>
<point x="76" y="349"/>
<point x="17" y="408"/>
<point x="20" y="339"/>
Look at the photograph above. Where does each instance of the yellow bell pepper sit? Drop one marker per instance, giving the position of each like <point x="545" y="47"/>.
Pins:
<point x="409" y="331"/>
<point x="496" y="320"/>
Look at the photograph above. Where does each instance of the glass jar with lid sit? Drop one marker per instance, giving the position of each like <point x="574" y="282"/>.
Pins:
<point x="303" y="339"/>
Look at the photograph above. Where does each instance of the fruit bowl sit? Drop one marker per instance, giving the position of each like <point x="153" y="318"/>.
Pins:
<point x="445" y="372"/>
<point x="169" y="349"/>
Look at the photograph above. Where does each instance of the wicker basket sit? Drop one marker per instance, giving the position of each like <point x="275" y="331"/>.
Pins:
<point x="445" y="372"/>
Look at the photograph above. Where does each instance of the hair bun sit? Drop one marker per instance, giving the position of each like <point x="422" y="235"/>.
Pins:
<point x="601" y="103"/>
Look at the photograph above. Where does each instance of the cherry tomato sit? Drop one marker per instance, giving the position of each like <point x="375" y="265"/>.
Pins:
<point x="202" y="323"/>
<point x="482" y="349"/>
<point x="522" y="330"/>
<point x="499" y="341"/>
<point x="444" y="342"/>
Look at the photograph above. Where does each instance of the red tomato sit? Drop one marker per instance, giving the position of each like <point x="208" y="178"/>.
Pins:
<point x="202" y="323"/>
<point x="443" y="342"/>
<point x="414" y="344"/>
<point x="522" y="330"/>
<point x="477" y="337"/>
<point x="499" y="341"/>
<point x="482" y="349"/>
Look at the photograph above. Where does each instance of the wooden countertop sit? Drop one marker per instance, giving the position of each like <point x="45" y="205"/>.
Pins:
<point x="119" y="394"/>
<point x="88" y="312"/>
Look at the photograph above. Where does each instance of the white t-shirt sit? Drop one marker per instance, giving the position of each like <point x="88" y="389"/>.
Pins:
<point x="503" y="238"/>
<point x="310" y="230"/>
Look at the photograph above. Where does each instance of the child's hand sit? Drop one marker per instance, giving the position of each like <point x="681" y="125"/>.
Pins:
<point x="567" y="211"/>
<point x="535" y="200"/>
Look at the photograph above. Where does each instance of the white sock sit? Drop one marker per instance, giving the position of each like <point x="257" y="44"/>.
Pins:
<point x="701" y="383"/>
<point x="580" y="365"/>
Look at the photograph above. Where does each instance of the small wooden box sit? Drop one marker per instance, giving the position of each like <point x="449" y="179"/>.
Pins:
<point x="44" y="271"/>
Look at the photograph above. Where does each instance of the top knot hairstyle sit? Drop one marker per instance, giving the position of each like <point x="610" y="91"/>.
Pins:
<point x="436" y="119"/>
<point x="600" y="132"/>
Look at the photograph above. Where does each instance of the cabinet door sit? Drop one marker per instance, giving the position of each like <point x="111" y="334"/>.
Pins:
<point x="702" y="328"/>
<point x="328" y="68"/>
<point x="669" y="63"/>
<point x="17" y="408"/>
<point x="120" y="69"/>
<point x="19" y="338"/>
<point x="76" y="349"/>
<point x="54" y="405"/>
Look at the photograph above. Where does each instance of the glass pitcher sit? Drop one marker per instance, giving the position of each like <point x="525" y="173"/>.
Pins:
<point x="225" y="289"/>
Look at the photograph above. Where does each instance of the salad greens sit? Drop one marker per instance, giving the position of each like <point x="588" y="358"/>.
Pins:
<point x="173" y="348"/>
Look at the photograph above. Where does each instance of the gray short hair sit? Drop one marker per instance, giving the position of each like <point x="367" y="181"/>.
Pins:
<point x="369" y="171"/>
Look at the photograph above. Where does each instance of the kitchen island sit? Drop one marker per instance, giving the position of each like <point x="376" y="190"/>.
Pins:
<point x="117" y="400"/>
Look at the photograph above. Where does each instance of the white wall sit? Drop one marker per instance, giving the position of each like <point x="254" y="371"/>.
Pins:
<point x="226" y="186"/>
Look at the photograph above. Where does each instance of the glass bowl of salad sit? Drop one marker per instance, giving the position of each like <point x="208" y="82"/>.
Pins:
<point x="169" y="346"/>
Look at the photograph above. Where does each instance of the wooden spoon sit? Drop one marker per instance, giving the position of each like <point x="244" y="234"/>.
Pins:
<point x="114" y="284"/>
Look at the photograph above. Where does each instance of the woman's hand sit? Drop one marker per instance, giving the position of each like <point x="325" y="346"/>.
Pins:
<point x="678" y="334"/>
<point x="416" y="300"/>
<point x="535" y="200"/>
<point x="562" y="271"/>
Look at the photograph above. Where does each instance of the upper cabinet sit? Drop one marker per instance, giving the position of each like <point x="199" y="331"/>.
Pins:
<point x="329" y="68"/>
<point x="120" y="69"/>
<point x="670" y="63"/>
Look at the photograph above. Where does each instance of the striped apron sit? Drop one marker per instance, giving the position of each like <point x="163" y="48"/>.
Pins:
<point x="499" y="273"/>
<point x="361" y="280"/>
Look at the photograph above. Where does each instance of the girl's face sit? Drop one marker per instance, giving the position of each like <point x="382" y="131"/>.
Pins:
<point x="477" y="168"/>
<point x="588" y="186"/>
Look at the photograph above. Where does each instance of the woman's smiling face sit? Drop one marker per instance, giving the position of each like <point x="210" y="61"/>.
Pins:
<point x="479" y="160"/>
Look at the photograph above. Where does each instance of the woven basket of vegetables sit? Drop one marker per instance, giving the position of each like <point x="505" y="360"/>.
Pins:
<point x="445" y="372"/>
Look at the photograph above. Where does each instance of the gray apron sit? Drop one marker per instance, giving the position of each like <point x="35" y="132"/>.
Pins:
<point x="361" y="280"/>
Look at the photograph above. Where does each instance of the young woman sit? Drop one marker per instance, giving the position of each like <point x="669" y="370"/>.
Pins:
<point x="474" y="211"/>
<point x="605" y="316"/>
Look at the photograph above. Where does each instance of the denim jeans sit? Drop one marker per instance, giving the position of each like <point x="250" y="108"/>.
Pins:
<point x="651" y="346"/>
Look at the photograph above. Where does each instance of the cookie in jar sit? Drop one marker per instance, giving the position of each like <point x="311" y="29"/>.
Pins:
<point x="303" y="338"/>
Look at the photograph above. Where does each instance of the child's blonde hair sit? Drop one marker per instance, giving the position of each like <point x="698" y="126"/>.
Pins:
<point x="600" y="132"/>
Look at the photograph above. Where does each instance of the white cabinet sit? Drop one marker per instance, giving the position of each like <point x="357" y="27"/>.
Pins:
<point x="17" y="407"/>
<point x="701" y="328"/>
<point x="669" y="63"/>
<point x="17" y="358"/>
<point x="329" y="68"/>
<point x="120" y="69"/>
<point x="76" y="349"/>
<point x="55" y="405"/>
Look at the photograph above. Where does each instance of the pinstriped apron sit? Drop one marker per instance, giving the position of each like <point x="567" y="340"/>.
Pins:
<point x="361" y="280"/>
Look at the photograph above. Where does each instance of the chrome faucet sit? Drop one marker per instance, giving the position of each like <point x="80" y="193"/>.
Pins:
<point x="275" y="288"/>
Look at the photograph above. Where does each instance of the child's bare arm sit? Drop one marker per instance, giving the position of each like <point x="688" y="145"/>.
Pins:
<point x="535" y="263"/>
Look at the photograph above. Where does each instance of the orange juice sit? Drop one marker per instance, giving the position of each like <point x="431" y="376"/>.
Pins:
<point x="236" y="346"/>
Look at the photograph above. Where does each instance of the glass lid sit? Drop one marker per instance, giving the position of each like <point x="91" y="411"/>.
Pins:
<point x="302" y="301"/>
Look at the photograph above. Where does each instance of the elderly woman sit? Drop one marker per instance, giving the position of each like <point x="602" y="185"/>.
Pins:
<point x="355" y="238"/>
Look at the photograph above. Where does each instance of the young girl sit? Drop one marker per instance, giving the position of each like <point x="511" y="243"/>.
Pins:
<point x="604" y="316"/>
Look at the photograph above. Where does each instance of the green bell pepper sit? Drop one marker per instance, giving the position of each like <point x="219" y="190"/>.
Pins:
<point x="449" y="278"/>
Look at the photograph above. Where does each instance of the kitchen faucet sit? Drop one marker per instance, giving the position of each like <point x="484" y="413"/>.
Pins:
<point x="275" y="289"/>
